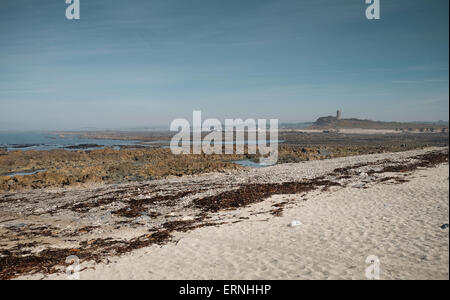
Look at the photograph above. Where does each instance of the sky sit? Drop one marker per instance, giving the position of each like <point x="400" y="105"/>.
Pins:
<point x="140" y="63"/>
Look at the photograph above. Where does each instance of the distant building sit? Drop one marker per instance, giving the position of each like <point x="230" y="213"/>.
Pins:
<point x="339" y="114"/>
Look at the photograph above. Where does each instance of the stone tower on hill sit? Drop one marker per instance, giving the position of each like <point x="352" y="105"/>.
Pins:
<point x="339" y="114"/>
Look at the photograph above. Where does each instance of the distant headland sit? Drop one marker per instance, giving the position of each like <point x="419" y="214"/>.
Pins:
<point x="337" y="122"/>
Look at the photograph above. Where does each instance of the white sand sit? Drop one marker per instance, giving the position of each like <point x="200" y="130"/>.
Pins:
<point x="399" y="223"/>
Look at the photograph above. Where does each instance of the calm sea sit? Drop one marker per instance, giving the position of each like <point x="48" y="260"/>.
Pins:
<point x="48" y="141"/>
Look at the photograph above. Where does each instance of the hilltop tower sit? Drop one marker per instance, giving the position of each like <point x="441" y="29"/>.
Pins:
<point x="339" y="114"/>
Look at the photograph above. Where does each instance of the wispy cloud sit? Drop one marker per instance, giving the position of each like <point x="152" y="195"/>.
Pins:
<point x="283" y="58"/>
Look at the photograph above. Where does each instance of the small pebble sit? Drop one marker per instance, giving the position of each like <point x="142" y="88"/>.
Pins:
<point x="295" y="223"/>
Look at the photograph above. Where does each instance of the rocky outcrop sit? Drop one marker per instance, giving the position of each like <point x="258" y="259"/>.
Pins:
<point x="60" y="168"/>
<point x="331" y="122"/>
<point x="326" y="122"/>
<point x="71" y="168"/>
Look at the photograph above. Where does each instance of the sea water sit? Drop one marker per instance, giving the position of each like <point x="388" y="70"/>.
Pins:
<point x="49" y="141"/>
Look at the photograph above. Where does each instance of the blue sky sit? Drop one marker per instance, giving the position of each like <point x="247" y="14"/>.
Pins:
<point x="145" y="62"/>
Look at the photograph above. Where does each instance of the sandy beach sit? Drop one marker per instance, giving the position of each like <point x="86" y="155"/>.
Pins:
<point x="345" y="209"/>
<point x="398" y="223"/>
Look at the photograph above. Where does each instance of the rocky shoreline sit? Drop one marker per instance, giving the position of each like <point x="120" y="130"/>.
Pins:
<point x="64" y="168"/>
